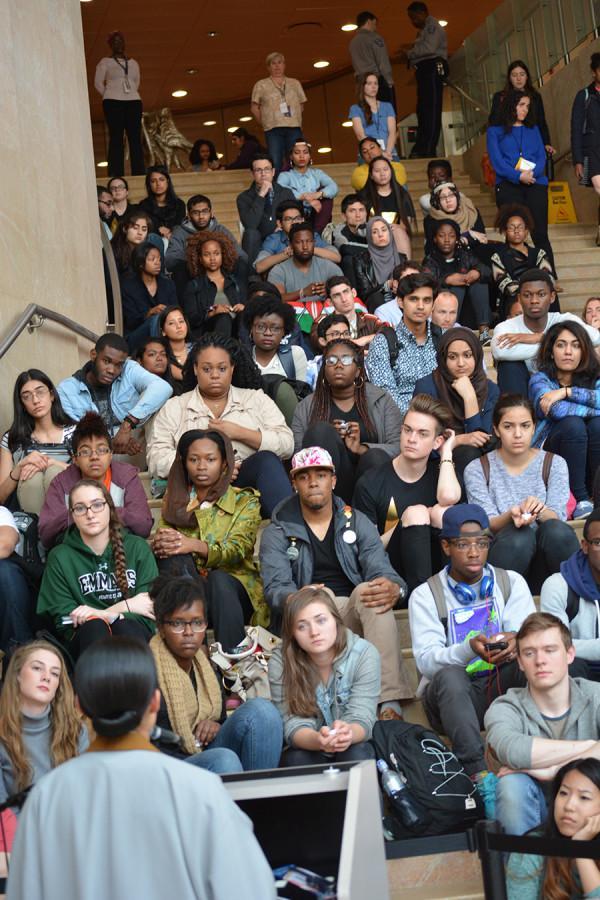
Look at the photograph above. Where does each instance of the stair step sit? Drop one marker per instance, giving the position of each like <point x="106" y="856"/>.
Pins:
<point x="439" y="876"/>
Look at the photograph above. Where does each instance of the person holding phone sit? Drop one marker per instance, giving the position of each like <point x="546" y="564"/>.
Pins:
<point x="468" y="658"/>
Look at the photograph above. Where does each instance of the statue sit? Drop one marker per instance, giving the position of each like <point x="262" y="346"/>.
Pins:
<point x="163" y="139"/>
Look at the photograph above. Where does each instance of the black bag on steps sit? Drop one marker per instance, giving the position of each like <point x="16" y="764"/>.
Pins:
<point x="433" y="775"/>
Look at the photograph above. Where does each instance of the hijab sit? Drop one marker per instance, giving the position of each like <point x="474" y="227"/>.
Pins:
<point x="443" y="379"/>
<point x="180" y="502"/>
<point x="466" y="213"/>
<point x="384" y="258"/>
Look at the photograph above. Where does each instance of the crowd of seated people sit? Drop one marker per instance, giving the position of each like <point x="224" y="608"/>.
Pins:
<point x="315" y="378"/>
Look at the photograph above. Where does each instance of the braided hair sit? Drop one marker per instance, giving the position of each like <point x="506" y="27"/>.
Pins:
<point x="321" y="406"/>
<point x="115" y="534"/>
<point x="246" y="373"/>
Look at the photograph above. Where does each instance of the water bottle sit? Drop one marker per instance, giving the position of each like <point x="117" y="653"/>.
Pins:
<point x="404" y="803"/>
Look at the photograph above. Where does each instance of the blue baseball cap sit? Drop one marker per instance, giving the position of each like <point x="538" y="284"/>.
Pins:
<point x="457" y="516"/>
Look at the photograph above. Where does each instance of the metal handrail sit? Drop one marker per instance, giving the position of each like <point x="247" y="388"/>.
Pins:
<point x="27" y="320"/>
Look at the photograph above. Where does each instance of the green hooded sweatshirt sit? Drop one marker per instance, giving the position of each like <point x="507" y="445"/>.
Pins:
<point x="75" y="576"/>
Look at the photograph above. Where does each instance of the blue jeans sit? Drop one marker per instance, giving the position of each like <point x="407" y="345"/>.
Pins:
<point x="520" y="803"/>
<point x="513" y="377"/>
<point x="16" y="605"/>
<point x="280" y="141"/>
<point x="578" y="442"/>
<point x="251" y="738"/>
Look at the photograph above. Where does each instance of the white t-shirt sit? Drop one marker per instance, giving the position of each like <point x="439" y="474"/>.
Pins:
<point x="389" y="312"/>
<point x="527" y="352"/>
<point x="7" y="519"/>
<point x="275" y="367"/>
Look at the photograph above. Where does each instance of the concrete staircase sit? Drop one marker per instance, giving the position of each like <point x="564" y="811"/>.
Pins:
<point x="577" y="257"/>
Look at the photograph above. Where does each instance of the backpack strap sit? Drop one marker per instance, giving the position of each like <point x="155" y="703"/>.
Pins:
<point x="436" y="586"/>
<point x="546" y="467"/>
<point x="573" y="601"/>
<point x="485" y="465"/>
<point x="286" y="358"/>
<point x="503" y="582"/>
<point x="391" y="337"/>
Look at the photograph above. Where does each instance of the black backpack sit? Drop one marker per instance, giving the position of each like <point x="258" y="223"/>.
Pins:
<point x="29" y="553"/>
<point x="434" y="776"/>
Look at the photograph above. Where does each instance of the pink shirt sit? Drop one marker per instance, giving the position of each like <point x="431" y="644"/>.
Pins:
<point x="110" y="76"/>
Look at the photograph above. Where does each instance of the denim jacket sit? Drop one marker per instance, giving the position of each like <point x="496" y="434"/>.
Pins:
<point x="134" y="392"/>
<point x="351" y="694"/>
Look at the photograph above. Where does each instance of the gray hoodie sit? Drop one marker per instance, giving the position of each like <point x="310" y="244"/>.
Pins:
<point x="180" y="235"/>
<point x="584" y="627"/>
<point x="512" y="722"/>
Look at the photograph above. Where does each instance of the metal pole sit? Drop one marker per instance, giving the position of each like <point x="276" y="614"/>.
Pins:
<point x="492" y="866"/>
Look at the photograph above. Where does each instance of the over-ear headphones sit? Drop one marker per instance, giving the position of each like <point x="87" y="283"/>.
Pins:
<point x="466" y="593"/>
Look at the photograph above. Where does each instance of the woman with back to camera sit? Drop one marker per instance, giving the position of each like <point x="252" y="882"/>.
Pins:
<point x="161" y="202"/>
<point x="117" y="79"/>
<point x="518" y="155"/>
<point x="191" y="702"/>
<point x="525" y="492"/>
<point x="36" y="446"/>
<point x="460" y="382"/>
<point x="245" y="415"/>
<point x="145" y="294"/>
<point x="203" y="156"/>
<point x="374" y="118"/>
<point x="518" y="78"/>
<point x="39" y="725"/>
<point x="325" y="682"/>
<point x="95" y="583"/>
<point x="166" y="813"/>
<point x="357" y="422"/>
<point x="574" y="813"/>
<point x="565" y="391"/>
<point x="208" y="531"/>
<point x="384" y="196"/>
<point x="214" y="298"/>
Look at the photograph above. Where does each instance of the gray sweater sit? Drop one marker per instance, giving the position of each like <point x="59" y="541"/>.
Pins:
<point x="37" y="735"/>
<point x="504" y="490"/>
<point x="513" y="721"/>
<point x="383" y="412"/>
<point x="351" y="693"/>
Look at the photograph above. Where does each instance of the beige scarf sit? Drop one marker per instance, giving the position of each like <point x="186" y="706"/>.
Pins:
<point x="187" y="707"/>
<point x="465" y="215"/>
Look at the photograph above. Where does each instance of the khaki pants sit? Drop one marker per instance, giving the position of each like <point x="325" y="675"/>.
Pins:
<point x="380" y="630"/>
<point x="31" y="493"/>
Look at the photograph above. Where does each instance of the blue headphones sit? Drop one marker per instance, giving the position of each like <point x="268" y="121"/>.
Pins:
<point x="466" y="594"/>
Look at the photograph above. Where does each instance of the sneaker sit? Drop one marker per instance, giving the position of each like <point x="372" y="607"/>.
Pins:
<point x="583" y="509"/>
<point x="486" y="787"/>
<point x="388" y="714"/>
<point x="485" y="337"/>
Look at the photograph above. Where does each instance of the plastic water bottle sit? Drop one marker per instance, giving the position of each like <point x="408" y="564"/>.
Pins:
<point x="403" y="801"/>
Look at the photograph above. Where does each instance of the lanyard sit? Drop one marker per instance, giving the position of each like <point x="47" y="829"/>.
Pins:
<point x="280" y="89"/>
<point x="121" y="66"/>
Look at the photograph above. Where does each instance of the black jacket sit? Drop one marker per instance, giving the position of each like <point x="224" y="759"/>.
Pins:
<point x="164" y="216"/>
<point x="585" y="123"/>
<point x="368" y="289"/>
<point x="251" y="207"/>
<point x="462" y="263"/>
<point x="429" y="224"/>
<point x="200" y="295"/>
<point x="136" y="300"/>
<point x="537" y="109"/>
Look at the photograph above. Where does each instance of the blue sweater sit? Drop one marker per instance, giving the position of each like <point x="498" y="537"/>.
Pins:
<point x="505" y="147"/>
<point x="582" y="402"/>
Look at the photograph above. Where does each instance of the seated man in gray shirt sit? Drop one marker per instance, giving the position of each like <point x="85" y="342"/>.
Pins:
<point x="301" y="279"/>
<point x="573" y="596"/>
<point x="533" y="731"/>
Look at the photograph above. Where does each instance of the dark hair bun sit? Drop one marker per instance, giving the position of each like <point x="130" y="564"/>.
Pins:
<point x="118" y="725"/>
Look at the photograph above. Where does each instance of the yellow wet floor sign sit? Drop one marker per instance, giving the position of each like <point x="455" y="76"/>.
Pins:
<point x="560" y="203"/>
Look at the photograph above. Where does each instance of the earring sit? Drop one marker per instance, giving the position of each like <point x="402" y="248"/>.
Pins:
<point x="359" y="381"/>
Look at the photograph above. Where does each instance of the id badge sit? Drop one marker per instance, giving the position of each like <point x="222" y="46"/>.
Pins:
<point x="284" y="109"/>
<point x="126" y="86"/>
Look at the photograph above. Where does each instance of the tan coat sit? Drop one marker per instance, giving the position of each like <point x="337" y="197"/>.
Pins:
<point x="249" y="408"/>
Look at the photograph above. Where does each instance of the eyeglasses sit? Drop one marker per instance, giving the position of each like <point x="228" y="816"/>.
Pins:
<point x="117" y="187"/>
<point x="336" y="335"/>
<point x="263" y="171"/>
<point x="346" y="360"/>
<point x="98" y="451"/>
<point x="178" y="626"/>
<point x="293" y="219"/>
<point x="272" y="329"/>
<point x="37" y="394"/>
<point x="462" y="545"/>
<point x="96" y="506"/>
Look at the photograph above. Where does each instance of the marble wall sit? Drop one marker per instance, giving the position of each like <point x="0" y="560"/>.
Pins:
<point x="49" y="239"/>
